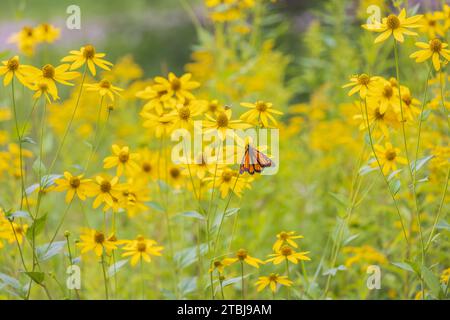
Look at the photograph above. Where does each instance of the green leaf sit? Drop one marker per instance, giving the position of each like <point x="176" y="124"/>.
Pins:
<point x="394" y="185"/>
<point x="443" y="225"/>
<point x="28" y="140"/>
<point x="366" y="169"/>
<point x="37" y="277"/>
<point x="193" y="214"/>
<point x="8" y="280"/>
<point x="404" y="266"/>
<point x="231" y="281"/>
<point x="187" y="257"/>
<point x="415" y="167"/>
<point x="432" y="282"/>
<point x="231" y="212"/>
<point x="19" y="214"/>
<point x="155" y="205"/>
<point x="47" y="250"/>
<point x="112" y="270"/>
<point x="38" y="166"/>
<point x="425" y="114"/>
<point x="342" y="200"/>
<point x="37" y="227"/>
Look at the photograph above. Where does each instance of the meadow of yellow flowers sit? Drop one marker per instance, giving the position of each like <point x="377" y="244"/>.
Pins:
<point x="93" y="205"/>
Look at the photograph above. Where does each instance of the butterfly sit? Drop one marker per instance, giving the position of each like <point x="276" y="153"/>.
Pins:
<point x="254" y="161"/>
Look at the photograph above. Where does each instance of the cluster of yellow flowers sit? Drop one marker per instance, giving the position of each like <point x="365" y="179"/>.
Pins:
<point x="29" y="37"/>
<point x="284" y="252"/>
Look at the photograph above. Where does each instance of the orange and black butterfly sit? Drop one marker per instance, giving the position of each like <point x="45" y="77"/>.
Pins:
<point x="254" y="161"/>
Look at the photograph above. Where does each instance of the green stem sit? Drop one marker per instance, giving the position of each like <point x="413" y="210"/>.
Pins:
<point x="242" y="280"/>
<point x="105" y="280"/>
<point x="287" y="274"/>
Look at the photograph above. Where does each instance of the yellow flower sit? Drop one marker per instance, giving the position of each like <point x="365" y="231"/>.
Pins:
<point x="362" y="83"/>
<point x="180" y="87"/>
<point x="272" y="280"/>
<point x="364" y="256"/>
<point x="74" y="185"/>
<point x="388" y="157"/>
<point x="260" y="114"/>
<point x="213" y="108"/>
<point x="183" y="115"/>
<point x="445" y="276"/>
<point x="104" y="87"/>
<point x="445" y="15"/>
<point x="141" y="249"/>
<point x="136" y="195"/>
<point x="380" y="120"/>
<point x="148" y="165"/>
<point x="47" y="33"/>
<point x="220" y="265"/>
<point x="42" y="88"/>
<point x="385" y="95"/>
<point x="286" y="237"/>
<point x="227" y="180"/>
<point x="158" y="99"/>
<point x="87" y="54"/>
<point x="93" y="240"/>
<point x="12" y="68"/>
<point x="394" y="25"/>
<point x="434" y="49"/>
<point x="157" y="125"/>
<point x="105" y="190"/>
<point x="223" y="124"/>
<point x="430" y="24"/>
<point x="242" y="256"/>
<point x="176" y="177"/>
<point x="411" y="106"/>
<point x="287" y="253"/>
<point x="25" y="40"/>
<point x="123" y="160"/>
<point x="50" y="75"/>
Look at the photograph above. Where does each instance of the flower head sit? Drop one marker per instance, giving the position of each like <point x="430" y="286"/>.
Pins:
<point x="434" y="50"/>
<point x="74" y="185"/>
<point x="388" y="156"/>
<point x="261" y="113"/>
<point x="87" y="55"/>
<point x="141" y="249"/>
<point x="287" y="253"/>
<point x="286" y="238"/>
<point x="104" y="87"/>
<point x="394" y="25"/>
<point x="272" y="280"/>
<point x="123" y="160"/>
<point x="93" y="240"/>
<point x="243" y="256"/>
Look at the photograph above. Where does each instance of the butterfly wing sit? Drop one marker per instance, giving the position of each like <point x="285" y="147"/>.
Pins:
<point x="254" y="161"/>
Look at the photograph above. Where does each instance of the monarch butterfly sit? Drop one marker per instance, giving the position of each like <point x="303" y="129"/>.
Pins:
<point x="254" y="161"/>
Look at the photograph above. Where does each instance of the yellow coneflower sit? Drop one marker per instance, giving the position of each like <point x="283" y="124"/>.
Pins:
<point x="394" y="25"/>
<point x="104" y="87"/>
<point x="141" y="249"/>
<point x="223" y="124"/>
<point x="434" y="50"/>
<point x="94" y="240"/>
<point x="104" y="190"/>
<point x="47" y="33"/>
<point x="287" y="253"/>
<point x="179" y="87"/>
<point x="286" y="238"/>
<point x="261" y="113"/>
<point x="362" y="83"/>
<point x="388" y="156"/>
<point x="123" y="160"/>
<point x="74" y="185"/>
<point x="12" y="68"/>
<point x="243" y="256"/>
<point x="272" y="281"/>
<point x="87" y="55"/>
